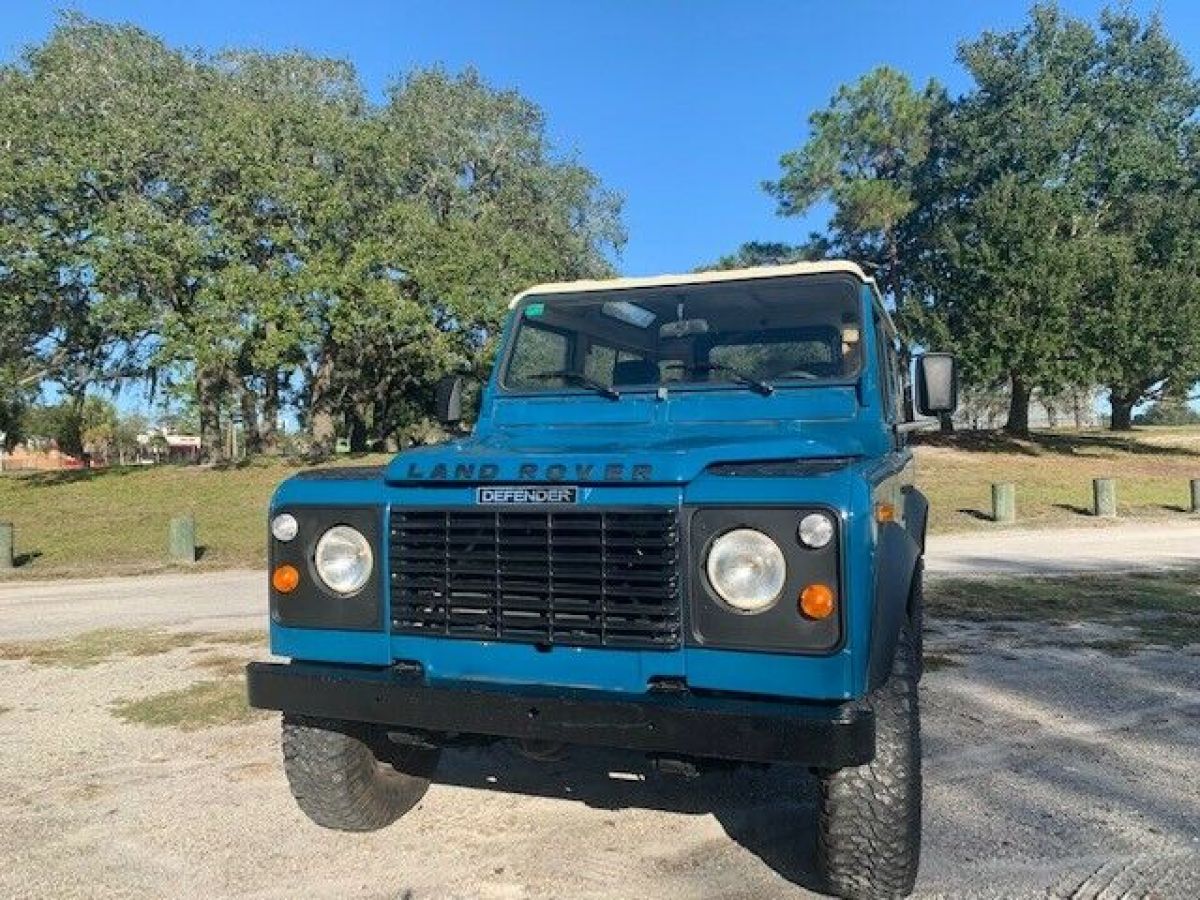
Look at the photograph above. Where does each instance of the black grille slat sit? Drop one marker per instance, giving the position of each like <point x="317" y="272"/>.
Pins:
<point x="577" y="578"/>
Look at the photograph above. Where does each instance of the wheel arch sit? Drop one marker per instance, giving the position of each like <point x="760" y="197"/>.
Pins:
<point x="899" y="553"/>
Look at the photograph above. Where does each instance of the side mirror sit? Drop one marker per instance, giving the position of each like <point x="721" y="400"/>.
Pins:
<point x="937" y="384"/>
<point x="448" y="399"/>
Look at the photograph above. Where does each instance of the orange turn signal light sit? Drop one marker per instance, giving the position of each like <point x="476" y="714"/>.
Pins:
<point x="885" y="512"/>
<point x="816" y="601"/>
<point x="285" y="579"/>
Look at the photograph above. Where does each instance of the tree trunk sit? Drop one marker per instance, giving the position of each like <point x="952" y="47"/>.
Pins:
<point x="358" y="430"/>
<point x="73" y="433"/>
<point x="1122" y="411"/>
<point x="321" y="426"/>
<point x="1051" y="413"/>
<point x="252" y="434"/>
<point x="1018" y="406"/>
<point x="893" y="277"/>
<point x="208" y="401"/>
<point x="269" y="430"/>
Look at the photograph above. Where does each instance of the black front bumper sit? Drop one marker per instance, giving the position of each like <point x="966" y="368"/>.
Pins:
<point x="749" y="730"/>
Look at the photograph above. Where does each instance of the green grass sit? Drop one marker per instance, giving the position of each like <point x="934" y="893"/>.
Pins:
<point x="228" y="664"/>
<point x="205" y="704"/>
<point x="91" y="648"/>
<point x="1163" y="608"/>
<point x="115" y="521"/>
<point x="1053" y="472"/>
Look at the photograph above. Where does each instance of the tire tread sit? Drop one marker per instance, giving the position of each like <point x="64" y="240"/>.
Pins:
<point x="869" y="828"/>
<point x="345" y="778"/>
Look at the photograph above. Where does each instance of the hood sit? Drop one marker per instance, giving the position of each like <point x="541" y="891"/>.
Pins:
<point x="643" y="455"/>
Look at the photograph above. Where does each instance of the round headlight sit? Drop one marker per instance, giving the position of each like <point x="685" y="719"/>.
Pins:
<point x="343" y="559"/>
<point x="746" y="569"/>
<point x="284" y="527"/>
<point x="816" y="530"/>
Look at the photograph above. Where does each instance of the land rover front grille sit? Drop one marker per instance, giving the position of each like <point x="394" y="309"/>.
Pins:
<point x="580" y="578"/>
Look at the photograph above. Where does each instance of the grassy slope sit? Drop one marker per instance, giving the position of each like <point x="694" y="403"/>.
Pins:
<point x="115" y="521"/>
<point x="1053" y="472"/>
<point x="90" y="523"/>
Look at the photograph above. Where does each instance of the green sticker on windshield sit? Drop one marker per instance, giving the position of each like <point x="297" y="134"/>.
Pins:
<point x="533" y="310"/>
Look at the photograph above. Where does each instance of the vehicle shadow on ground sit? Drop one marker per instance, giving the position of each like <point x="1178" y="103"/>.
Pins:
<point x="768" y="810"/>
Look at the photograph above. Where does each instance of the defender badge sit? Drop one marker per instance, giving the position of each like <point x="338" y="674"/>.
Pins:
<point x="517" y="495"/>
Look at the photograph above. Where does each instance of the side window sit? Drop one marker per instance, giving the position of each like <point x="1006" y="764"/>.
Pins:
<point x="598" y="363"/>
<point x="538" y="351"/>
<point x="895" y="379"/>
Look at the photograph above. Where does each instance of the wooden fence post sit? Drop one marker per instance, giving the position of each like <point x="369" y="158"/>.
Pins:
<point x="7" y="542"/>
<point x="1195" y="482"/>
<point x="1104" y="497"/>
<point x="181" y="539"/>
<point x="1004" y="502"/>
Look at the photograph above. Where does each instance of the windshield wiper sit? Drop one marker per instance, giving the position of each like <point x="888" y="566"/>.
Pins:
<point x="580" y="380"/>
<point x="738" y="375"/>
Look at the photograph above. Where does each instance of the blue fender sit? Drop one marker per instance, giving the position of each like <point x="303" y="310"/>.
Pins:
<point x="898" y="554"/>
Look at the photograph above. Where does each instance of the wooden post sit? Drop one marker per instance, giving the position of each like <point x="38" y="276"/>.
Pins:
<point x="1195" y="495"/>
<point x="181" y="539"/>
<point x="7" y="560"/>
<point x="1004" y="502"/>
<point x="1104" y="497"/>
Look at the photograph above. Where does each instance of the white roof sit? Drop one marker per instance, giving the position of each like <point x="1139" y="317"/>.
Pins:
<point x="823" y="267"/>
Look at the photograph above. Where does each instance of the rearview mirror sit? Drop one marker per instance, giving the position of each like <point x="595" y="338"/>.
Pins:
<point x="937" y="384"/>
<point x="448" y="400"/>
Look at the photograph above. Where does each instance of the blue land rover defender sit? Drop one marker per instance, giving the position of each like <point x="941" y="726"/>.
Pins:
<point x="683" y="524"/>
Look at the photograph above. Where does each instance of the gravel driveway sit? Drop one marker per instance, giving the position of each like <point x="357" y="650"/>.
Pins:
<point x="1051" y="770"/>
<point x="1048" y="771"/>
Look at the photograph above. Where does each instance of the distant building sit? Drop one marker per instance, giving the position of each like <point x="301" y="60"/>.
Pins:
<point x="39" y="458"/>
<point x="162" y="445"/>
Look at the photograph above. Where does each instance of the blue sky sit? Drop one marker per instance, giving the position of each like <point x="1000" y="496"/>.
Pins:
<point x="683" y="108"/>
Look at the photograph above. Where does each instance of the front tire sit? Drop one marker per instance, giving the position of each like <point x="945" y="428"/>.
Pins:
<point x="869" y="828"/>
<point x="349" y="776"/>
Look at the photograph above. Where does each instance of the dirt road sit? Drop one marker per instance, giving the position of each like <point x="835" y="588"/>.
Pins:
<point x="1123" y="547"/>
<point x="209" y="600"/>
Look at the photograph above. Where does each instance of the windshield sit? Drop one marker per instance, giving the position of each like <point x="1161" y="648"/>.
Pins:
<point x="755" y="333"/>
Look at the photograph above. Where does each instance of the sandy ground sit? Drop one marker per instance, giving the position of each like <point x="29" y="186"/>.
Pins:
<point x="1050" y="770"/>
